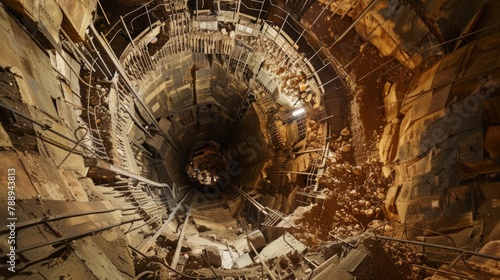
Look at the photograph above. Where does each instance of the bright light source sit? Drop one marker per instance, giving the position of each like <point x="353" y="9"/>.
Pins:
<point x="298" y="112"/>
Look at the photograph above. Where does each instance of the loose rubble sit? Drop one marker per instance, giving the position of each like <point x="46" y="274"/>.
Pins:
<point x="354" y="195"/>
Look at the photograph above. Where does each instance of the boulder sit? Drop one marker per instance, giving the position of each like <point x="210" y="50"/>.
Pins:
<point x="214" y="256"/>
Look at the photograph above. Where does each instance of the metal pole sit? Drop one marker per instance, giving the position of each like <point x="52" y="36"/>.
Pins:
<point x="319" y="15"/>
<point x="137" y="251"/>
<point x="262" y="262"/>
<point x="301" y="152"/>
<point x="25" y="224"/>
<point x="253" y="201"/>
<point x="94" y="162"/>
<point x="137" y="123"/>
<point x="361" y="16"/>
<point x="211" y="268"/>
<point x="128" y="33"/>
<point x="260" y="11"/>
<point x="442" y="271"/>
<point x="78" y="52"/>
<point x="318" y="70"/>
<point x="149" y="19"/>
<point x="303" y="6"/>
<point x="73" y="237"/>
<point x="295" y="172"/>
<point x="103" y="12"/>
<point x="237" y="13"/>
<point x="175" y="258"/>
<point x="497" y="258"/>
<point x="43" y="126"/>
<point x="282" y="25"/>
<point x="76" y="145"/>
<point x="145" y="246"/>
<point x="309" y="59"/>
<point x="109" y="74"/>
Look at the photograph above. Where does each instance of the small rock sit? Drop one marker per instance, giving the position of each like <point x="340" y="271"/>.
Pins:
<point x="388" y="228"/>
<point x="284" y="263"/>
<point x="346" y="148"/>
<point x="347" y="167"/>
<point x="357" y="171"/>
<point x="380" y="196"/>
<point x="345" y="132"/>
<point x="386" y="171"/>
<point x="375" y="224"/>
<point x="369" y="213"/>
<point x="361" y="202"/>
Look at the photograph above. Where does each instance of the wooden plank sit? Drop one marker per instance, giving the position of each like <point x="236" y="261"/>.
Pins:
<point x="74" y="268"/>
<point x="103" y="268"/>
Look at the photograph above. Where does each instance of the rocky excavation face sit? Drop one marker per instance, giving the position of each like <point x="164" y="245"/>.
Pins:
<point x="354" y="194"/>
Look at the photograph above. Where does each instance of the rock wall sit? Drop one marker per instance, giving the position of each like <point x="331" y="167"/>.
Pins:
<point x="411" y="31"/>
<point x="443" y="159"/>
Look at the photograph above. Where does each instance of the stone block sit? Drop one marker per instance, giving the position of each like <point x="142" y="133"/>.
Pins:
<point x="257" y="239"/>
<point x="391" y="104"/>
<point x="78" y="15"/>
<point x="214" y="256"/>
<point x="388" y="143"/>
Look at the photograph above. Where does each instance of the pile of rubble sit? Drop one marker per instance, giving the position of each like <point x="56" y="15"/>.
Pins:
<point x="354" y="194"/>
<point x="96" y="114"/>
<point x="286" y="69"/>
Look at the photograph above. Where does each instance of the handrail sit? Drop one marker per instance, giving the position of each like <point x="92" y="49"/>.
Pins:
<point x="474" y="253"/>
<point x="253" y="201"/>
<point x="45" y="127"/>
<point x="127" y="14"/>
<point x="145" y="246"/>
<point x="94" y="162"/>
<point x="33" y="222"/>
<point x="313" y="36"/>
<point x="73" y="237"/>
<point x="76" y="144"/>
